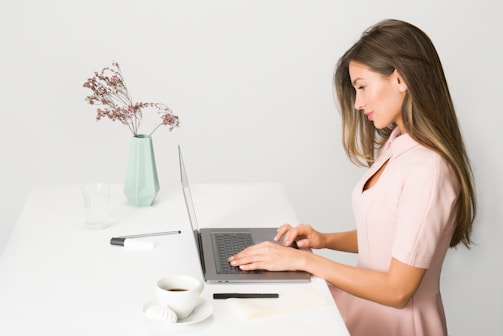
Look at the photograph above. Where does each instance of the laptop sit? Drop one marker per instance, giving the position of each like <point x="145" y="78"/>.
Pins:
<point x="215" y="245"/>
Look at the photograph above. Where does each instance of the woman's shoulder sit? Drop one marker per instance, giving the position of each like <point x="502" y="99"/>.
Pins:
<point x="414" y="156"/>
<point x="421" y="168"/>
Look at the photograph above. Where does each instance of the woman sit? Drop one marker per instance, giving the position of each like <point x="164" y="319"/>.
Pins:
<point x="416" y="199"/>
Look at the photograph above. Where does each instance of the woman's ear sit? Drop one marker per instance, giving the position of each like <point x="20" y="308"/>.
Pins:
<point x="402" y="86"/>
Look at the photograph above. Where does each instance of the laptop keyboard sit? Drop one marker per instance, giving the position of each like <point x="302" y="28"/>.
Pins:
<point x="226" y="244"/>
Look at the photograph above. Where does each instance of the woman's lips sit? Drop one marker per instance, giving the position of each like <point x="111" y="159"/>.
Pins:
<point x="370" y="115"/>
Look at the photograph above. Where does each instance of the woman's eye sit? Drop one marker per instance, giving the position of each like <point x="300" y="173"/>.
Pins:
<point x="360" y="87"/>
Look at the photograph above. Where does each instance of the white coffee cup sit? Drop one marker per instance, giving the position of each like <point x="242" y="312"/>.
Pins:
<point x="179" y="292"/>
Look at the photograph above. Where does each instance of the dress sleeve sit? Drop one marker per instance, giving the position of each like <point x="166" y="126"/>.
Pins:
<point x="426" y="210"/>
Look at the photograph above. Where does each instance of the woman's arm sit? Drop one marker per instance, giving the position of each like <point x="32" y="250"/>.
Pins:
<point x="393" y="288"/>
<point x="307" y="237"/>
<point x="342" y="241"/>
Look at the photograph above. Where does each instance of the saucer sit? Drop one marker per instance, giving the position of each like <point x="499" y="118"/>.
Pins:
<point x="200" y="313"/>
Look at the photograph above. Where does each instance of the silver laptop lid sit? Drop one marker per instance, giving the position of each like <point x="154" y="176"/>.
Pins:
<point x="186" y="193"/>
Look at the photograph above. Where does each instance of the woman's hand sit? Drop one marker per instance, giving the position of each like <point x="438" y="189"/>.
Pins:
<point x="304" y="235"/>
<point x="269" y="256"/>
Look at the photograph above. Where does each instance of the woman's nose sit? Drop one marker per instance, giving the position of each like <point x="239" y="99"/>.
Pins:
<point x="359" y="105"/>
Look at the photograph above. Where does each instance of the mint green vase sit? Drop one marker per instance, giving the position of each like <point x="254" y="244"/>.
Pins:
<point x="141" y="185"/>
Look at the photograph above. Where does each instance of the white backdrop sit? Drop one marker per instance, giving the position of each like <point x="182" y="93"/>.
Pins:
<point x="251" y="82"/>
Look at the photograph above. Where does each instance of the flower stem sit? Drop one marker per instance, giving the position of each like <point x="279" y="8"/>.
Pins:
<point x="155" y="129"/>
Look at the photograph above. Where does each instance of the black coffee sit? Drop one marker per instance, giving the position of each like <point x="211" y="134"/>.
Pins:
<point x="177" y="289"/>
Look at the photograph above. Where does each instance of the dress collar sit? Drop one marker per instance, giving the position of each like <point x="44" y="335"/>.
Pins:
<point x="399" y="143"/>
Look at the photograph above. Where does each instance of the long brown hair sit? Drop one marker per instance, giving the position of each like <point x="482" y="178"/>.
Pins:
<point x="427" y="111"/>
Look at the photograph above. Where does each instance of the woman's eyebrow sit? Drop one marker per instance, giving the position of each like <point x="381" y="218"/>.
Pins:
<point x="356" y="80"/>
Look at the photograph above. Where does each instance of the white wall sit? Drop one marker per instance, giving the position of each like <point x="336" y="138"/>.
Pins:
<point x="251" y="82"/>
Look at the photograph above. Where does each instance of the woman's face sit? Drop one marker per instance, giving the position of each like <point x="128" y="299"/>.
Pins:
<point x="379" y="97"/>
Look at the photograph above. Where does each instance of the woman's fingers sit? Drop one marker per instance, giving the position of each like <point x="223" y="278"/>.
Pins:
<point x="282" y="230"/>
<point x="291" y="234"/>
<point x="302" y="234"/>
<point x="267" y="255"/>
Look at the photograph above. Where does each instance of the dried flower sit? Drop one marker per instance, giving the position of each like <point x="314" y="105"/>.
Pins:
<point x="110" y="91"/>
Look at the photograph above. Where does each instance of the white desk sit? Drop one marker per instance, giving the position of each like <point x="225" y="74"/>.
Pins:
<point x="58" y="278"/>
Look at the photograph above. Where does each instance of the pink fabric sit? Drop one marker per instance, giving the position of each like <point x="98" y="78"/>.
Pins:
<point x="406" y="215"/>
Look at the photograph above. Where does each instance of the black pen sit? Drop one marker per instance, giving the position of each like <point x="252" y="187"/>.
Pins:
<point x="223" y="296"/>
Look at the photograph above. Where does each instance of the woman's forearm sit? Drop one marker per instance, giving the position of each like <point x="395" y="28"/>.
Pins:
<point x="342" y="241"/>
<point x="392" y="288"/>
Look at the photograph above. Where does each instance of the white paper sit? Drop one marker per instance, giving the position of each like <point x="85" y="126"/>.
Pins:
<point x="288" y="301"/>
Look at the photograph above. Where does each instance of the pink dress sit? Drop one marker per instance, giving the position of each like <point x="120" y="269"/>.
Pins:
<point x="407" y="215"/>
